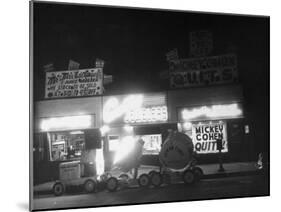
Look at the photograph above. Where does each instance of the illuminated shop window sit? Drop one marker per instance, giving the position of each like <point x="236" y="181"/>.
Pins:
<point x="66" y="145"/>
<point x="212" y="112"/>
<point x="113" y="141"/>
<point x="152" y="144"/>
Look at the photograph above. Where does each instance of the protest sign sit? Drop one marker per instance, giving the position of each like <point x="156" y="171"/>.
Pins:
<point x="204" y="137"/>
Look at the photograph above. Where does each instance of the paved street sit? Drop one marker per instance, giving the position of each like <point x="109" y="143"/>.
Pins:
<point x="206" y="189"/>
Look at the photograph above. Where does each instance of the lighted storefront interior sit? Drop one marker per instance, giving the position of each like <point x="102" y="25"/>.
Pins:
<point x="66" y="145"/>
<point x="65" y="139"/>
<point x="131" y="118"/>
<point x="206" y="124"/>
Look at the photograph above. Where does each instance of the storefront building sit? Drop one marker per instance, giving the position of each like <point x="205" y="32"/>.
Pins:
<point x="205" y="114"/>
<point x="138" y="116"/>
<point x="111" y="125"/>
<point x="64" y="128"/>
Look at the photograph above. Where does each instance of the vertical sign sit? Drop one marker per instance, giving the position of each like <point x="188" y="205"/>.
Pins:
<point x="72" y="65"/>
<point x="201" y="43"/>
<point x="172" y="55"/>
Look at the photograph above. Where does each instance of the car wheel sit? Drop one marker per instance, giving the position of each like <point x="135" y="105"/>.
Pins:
<point x="188" y="177"/>
<point x="198" y="172"/>
<point x="58" y="189"/>
<point x="89" y="186"/>
<point x="144" y="180"/>
<point x="112" y="184"/>
<point x="156" y="179"/>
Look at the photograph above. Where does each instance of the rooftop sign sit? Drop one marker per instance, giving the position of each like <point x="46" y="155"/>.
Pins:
<point x="73" y="83"/>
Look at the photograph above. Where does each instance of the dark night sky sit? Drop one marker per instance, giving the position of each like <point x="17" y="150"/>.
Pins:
<point x="133" y="44"/>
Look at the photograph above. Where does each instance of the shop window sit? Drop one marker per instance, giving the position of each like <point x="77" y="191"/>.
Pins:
<point x="66" y="145"/>
<point x="113" y="141"/>
<point x="236" y="131"/>
<point x="152" y="144"/>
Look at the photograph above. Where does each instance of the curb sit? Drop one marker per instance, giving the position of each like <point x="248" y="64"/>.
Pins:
<point x="234" y="174"/>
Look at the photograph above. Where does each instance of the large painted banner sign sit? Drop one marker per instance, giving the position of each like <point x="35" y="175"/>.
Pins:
<point x="203" y="63"/>
<point x="204" y="71"/>
<point x="203" y="77"/>
<point x="83" y="82"/>
<point x="204" y="137"/>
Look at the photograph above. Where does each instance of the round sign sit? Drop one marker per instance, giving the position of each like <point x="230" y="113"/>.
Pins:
<point x="176" y="152"/>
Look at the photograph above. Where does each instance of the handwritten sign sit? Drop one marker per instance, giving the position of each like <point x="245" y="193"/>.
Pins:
<point x="203" y="63"/>
<point x="204" y="137"/>
<point x="203" y="77"/>
<point x="83" y="82"/>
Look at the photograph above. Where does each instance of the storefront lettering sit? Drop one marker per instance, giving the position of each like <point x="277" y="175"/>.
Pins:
<point x="151" y="114"/>
<point x="203" y="77"/>
<point x="215" y="111"/>
<point x="114" y="109"/>
<point x="173" y="148"/>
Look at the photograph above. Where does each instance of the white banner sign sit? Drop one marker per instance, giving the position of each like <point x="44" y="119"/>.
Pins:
<point x="203" y="77"/>
<point x="84" y="82"/>
<point x="203" y="63"/>
<point x="204" y="137"/>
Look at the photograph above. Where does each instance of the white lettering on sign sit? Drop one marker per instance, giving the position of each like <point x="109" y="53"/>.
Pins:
<point x="205" y="63"/>
<point x="204" y="71"/>
<point x="214" y="111"/>
<point x="152" y="114"/>
<point x="113" y="109"/>
<point x="204" y="137"/>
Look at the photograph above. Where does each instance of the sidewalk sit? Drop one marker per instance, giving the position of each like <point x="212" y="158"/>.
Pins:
<point x="210" y="172"/>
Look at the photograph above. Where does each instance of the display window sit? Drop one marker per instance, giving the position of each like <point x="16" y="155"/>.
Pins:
<point x="66" y="145"/>
<point x="113" y="141"/>
<point x="152" y="144"/>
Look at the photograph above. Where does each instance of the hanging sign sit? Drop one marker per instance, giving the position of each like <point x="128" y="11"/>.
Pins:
<point x="72" y="83"/>
<point x="204" y="137"/>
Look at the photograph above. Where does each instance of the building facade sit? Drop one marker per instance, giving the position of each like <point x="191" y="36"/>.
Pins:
<point x="110" y="124"/>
